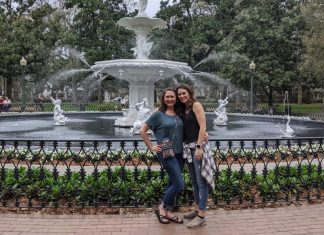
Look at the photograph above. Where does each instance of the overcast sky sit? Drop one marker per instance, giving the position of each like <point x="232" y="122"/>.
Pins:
<point x="152" y="7"/>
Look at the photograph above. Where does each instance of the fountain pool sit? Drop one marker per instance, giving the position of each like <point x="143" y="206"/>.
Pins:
<point x="96" y="125"/>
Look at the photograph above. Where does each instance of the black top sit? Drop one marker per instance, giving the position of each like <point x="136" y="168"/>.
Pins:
<point x="191" y="127"/>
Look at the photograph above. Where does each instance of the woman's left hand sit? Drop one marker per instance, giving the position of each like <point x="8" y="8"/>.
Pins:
<point x="198" y="154"/>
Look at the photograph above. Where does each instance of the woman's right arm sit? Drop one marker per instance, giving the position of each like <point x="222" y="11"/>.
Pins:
<point x="146" y="139"/>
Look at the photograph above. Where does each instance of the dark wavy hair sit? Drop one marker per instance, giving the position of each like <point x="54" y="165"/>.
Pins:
<point x="178" y="108"/>
<point x="192" y="97"/>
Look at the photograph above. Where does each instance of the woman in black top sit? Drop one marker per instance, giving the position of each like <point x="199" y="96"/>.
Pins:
<point x="194" y="135"/>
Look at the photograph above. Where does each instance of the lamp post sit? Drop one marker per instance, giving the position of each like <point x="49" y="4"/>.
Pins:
<point x="252" y="69"/>
<point x="23" y="63"/>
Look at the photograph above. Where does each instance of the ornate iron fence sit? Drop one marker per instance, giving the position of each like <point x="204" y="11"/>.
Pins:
<point x="123" y="173"/>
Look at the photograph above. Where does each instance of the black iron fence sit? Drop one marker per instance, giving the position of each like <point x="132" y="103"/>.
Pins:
<point x="123" y="173"/>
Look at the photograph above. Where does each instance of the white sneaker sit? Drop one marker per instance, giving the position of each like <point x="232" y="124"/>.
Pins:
<point x="197" y="221"/>
<point x="190" y="215"/>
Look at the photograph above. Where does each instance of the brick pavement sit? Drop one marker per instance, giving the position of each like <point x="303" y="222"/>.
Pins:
<point x="296" y="220"/>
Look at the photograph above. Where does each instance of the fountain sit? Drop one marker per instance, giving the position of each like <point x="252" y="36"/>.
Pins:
<point x="288" y="131"/>
<point x="59" y="118"/>
<point x="221" y="119"/>
<point x="141" y="73"/>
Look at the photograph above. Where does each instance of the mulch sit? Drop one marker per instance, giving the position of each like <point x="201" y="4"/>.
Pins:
<point x="125" y="211"/>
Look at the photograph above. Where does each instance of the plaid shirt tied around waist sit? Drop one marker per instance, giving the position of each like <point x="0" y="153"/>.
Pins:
<point x="208" y="166"/>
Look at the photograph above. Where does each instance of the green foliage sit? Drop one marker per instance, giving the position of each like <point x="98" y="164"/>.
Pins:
<point x="221" y="37"/>
<point x="30" y="31"/>
<point x="125" y="187"/>
<point x="270" y="33"/>
<point x="312" y="67"/>
<point x="95" y="31"/>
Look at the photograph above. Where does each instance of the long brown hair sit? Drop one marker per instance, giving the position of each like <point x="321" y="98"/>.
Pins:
<point x="177" y="106"/>
<point x="192" y="98"/>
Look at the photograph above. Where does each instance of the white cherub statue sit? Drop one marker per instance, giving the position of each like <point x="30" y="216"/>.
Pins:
<point x="143" y="113"/>
<point x="220" y="111"/>
<point x="58" y="117"/>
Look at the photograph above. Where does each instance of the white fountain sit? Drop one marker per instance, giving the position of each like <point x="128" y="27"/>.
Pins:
<point x="221" y="119"/>
<point x="141" y="73"/>
<point x="287" y="131"/>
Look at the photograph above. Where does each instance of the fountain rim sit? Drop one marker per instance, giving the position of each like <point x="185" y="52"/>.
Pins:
<point x="131" y="23"/>
<point x="140" y="61"/>
<point x="120" y="113"/>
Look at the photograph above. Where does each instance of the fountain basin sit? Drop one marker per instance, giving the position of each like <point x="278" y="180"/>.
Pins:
<point x="135" y="70"/>
<point x="100" y="125"/>
<point x="140" y="22"/>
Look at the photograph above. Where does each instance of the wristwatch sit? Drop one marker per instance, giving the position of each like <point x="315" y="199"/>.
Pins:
<point x="198" y="146"/>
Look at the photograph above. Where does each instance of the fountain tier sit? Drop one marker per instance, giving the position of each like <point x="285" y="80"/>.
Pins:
<point x="141" y="75"/>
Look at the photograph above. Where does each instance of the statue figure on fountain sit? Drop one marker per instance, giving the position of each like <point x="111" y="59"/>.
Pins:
<point x="288" y="131"/>
<point x="221" y="119"/>
<point x="142" y="6"/>
<point x="143" y="49"/>
<point x="58" y="117"/>
<point x="143" y="113"/>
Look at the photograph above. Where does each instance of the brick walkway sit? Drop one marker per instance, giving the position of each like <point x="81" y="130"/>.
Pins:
<point x="307" y="219"/>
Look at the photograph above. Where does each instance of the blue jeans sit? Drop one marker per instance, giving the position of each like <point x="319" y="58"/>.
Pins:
<point x="200" y="185"/>
<point x="173" y="166"/>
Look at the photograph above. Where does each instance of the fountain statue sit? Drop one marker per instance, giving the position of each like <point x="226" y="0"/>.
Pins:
<point x="288" y="131"/>
<point x="58" y="117"/>
<point x="141" y="72"/>
<point x="143" y="113"/>
<point x="142" y="7"/>
<point x="221" y="119"/>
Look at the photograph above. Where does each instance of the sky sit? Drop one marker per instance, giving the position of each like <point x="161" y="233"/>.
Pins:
<point x="152" y="7"/>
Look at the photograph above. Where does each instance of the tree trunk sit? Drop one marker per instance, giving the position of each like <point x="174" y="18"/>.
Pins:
<point x="8" y="87"/>
<point x="74" y="91"/>
<point x="307" y="97"/>
<point x="300" y="94"/>
<point x="100" y="99"/>
<point x="270" y="98"/>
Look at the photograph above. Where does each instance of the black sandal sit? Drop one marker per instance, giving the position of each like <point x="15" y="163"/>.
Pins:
<point x="162" y="219"/>
<point x="176" y="219"/>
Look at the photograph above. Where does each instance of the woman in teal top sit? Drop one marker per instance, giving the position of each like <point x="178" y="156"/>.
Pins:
<point x="166" y="124"/>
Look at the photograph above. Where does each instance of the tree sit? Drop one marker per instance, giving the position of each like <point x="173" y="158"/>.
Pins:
<point x="95" y="32"/>
<point x="27" y="30"/>
<point x="270" y="33"/>
<point x="194" y="29"/>
<point x="312" y="66"/>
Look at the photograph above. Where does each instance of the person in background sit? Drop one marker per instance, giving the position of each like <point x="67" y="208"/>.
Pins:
<point x="166" y="125"/>
<point x="197" y="154"/>
<point x="6" y="104"/>
<point x="1" y="103"/>
<point x="41" y="98"/>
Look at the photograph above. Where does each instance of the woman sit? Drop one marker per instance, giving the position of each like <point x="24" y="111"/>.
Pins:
<point x="167" y="126"/>
<point x="196" y="153"/>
